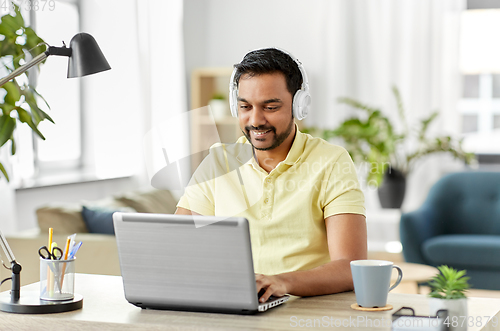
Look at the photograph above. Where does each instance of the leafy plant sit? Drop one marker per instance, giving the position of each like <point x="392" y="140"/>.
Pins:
<point x="18" y="101"/>
<point x="374" y="139"/>
<point x="218" y="96"/>
<point x="449" y="284"/>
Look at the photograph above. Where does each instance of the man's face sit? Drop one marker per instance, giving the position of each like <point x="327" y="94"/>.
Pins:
<point x="265" y="110"/>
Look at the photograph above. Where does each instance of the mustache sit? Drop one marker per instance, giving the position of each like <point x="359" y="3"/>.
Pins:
<point x="260" y="128"/>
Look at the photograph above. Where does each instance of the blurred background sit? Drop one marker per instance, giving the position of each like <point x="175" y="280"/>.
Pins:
<point x="168" y="57"/>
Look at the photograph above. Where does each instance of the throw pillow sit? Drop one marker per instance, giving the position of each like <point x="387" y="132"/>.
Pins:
<point x="99" y="220"/>
<point x="63" y="218"/>
<point x="154" y="201"/>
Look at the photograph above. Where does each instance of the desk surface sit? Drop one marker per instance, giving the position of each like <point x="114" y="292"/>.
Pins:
<point x="105" y="308"/>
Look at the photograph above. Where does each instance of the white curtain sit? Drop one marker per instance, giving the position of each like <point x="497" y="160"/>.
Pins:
<point x="142" y="40"/>
<point x="413" y="44"/>
<point x="162" y="74"/>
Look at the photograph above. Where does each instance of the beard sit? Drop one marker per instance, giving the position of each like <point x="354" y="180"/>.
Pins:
<point x="277" y="140"/>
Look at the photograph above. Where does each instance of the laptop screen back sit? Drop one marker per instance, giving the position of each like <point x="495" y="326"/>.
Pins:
<point x="168" y="262"/>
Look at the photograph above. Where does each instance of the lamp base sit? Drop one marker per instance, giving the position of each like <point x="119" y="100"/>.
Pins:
<point x="30" y="303"/>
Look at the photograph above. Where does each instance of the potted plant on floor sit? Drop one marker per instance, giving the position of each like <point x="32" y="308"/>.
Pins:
<point x="448" y="292"/>
<point x="390" y="155"/>
<point x="18" y="100"/>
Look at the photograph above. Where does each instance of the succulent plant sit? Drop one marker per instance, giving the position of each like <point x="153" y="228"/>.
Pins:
<point x="449" y="283"/>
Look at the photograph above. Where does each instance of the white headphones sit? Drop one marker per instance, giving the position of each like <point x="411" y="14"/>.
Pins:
<point x="301" y="99"/>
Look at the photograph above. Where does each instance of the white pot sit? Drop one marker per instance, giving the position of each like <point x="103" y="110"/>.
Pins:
<point x="457" y="311"/>
<point x="219" y="108"/>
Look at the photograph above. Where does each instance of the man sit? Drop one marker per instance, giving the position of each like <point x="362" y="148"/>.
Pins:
<point x="300" y="194"/>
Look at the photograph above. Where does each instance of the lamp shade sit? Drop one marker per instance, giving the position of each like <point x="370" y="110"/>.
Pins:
<point x="86" y="56"/>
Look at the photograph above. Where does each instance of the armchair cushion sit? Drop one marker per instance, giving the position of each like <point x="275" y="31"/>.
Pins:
<point x="157" y="201"/>
<point x="464" y="251"/>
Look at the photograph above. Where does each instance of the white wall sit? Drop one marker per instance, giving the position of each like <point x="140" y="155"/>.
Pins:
<point x="350" y="48"/>
<point x="221" y="32"/>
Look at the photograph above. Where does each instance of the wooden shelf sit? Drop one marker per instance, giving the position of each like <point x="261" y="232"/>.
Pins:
<point x="205" y="82"/>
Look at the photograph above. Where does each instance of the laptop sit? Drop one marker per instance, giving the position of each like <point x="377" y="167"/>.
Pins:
<point x="167" y="262"/>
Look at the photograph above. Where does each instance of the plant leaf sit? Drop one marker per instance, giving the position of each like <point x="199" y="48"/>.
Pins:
<point x="13" y="147"/>
<point x="39" y="114"/>
<point x="399" y="103"/>
<point x="25" y="117"/>
<point x="4" y="172"/>
<point x="7" y="126"/>
<point x="13" y="92"/>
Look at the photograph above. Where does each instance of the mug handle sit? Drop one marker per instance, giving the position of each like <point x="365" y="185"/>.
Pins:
<point x="400" y="276"/>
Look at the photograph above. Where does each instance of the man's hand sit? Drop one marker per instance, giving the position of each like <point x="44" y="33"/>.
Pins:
<point x="273" y="285"/>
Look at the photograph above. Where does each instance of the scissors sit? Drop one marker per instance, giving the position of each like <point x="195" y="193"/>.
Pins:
<point x="56" y="253"/>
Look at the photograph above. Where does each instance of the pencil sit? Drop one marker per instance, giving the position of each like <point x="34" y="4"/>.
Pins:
<point x="51" y="232"/>
<point x="66" y="251"/>
<point x="49" y="283"/>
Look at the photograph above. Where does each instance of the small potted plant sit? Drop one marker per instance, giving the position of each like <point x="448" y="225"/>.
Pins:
<point x="219" y="106"/>
<point x="448" y="292"/>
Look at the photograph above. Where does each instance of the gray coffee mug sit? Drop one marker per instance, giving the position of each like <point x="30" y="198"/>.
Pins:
<point x="372" y="280"/>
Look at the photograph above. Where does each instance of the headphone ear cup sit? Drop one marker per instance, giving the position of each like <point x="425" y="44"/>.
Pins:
<point x="301" y="104"/>
<point x="233" y="101"/>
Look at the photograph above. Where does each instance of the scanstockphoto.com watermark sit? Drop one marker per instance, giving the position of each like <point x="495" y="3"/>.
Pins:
<point x="362" y="322"/>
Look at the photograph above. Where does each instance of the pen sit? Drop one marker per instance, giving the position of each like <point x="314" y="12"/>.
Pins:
<point x="72" y="243"/>
<point x="66" y="251"/>
<point x="73" y="253"/>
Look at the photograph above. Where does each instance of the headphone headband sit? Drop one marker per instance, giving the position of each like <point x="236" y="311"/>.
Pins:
<point x="301" y="99"/>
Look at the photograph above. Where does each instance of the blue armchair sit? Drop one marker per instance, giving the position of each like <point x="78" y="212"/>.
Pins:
<point x="458" y="225"/>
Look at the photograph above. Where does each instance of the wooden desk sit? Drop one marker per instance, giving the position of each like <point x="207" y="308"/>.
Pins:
<point x="413" y="274"/>
<point x="105" y="308"/>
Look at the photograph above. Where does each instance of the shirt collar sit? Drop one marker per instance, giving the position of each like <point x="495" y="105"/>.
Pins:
<point x="298" y="146"/>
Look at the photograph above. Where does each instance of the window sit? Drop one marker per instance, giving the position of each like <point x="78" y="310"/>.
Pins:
<point x="62" y="149"/>
<point x="480" y="65"/>
<point x="480" y="106"/>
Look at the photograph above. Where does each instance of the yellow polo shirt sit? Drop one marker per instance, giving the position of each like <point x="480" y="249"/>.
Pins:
<point x="285" y="208"/>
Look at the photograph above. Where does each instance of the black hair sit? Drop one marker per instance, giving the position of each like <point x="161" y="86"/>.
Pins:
<point x="270" y="60"/>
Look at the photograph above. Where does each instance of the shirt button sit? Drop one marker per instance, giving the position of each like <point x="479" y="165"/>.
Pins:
<point x="266" y="200"/>
<point x="268" y="180"/>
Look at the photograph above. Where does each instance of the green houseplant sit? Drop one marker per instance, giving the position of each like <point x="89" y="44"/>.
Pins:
<point x="449" y="284"/>
<point x="390" y="154"/>
<point x="18" y="100"/>
<point x="219" y="106"/>
<point x="448" y="292"/>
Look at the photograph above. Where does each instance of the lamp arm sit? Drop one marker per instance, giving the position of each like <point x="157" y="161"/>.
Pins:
<point x="6" y="248"/>
<point x="36" y="60"/>
<point x="15" y="268"/>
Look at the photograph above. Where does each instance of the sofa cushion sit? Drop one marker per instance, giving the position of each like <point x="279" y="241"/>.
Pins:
<point x="63" y="218"/>
<point x="66" y="218"/>
<point x="464" y="251"/>
<point x="99" y="220"/>
<point x="156" y="201"/>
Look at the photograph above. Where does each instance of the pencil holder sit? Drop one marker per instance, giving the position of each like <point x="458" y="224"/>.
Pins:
<point x="57" y="279"/>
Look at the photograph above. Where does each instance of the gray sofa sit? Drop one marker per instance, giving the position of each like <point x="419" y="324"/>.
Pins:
<point x="98" y="254"/>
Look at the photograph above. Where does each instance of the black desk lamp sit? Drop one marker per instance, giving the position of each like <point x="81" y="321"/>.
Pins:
<point x="85" y="58"/>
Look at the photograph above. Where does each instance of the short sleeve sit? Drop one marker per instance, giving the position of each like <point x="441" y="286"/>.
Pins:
<point x="343" y="194"/>
<point x="198" y="195"/>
